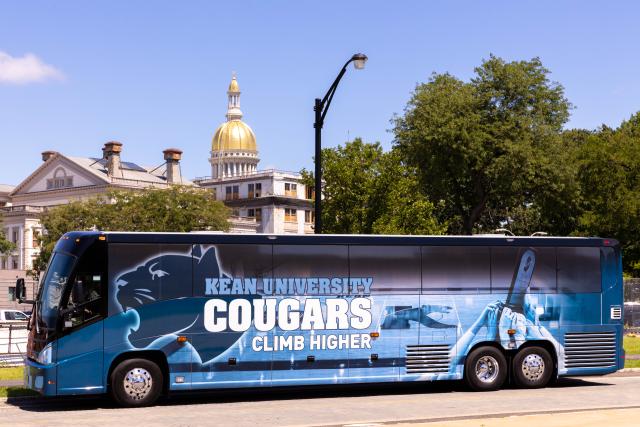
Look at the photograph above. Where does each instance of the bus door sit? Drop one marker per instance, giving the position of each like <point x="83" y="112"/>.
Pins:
<point x="393" y="277"/>
<point x="82" y="310"/>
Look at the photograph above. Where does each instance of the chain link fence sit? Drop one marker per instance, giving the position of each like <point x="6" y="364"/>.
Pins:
<point x="632" y="305"/>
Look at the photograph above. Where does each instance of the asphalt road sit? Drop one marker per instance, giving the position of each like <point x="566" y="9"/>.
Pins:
<point x="380" y="404"/>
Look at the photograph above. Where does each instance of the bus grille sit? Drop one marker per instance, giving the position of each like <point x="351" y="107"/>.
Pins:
<point x="590" y="350"/>
<point x="427" y="359"/>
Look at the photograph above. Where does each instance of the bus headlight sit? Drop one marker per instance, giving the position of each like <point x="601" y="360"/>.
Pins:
<point x="44" y="357"/>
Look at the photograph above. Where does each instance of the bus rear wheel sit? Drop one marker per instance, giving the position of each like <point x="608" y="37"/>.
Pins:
<point x="485" y="369"/>
<point x="136" y="382"/>
<point x="532" y="367"/>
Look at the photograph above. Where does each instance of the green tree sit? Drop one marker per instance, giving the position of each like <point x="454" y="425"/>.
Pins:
<point x="369" y="191"/>
<point x="491" y="147"/>
<point x="609" y="175"/>
<point x="5" y="245"/>
<point x="178" y="209"/>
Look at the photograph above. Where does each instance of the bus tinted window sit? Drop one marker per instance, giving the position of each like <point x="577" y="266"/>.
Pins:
<point x="146" y="273"/>
<point x="456" y="269"/>
<point x="579" y="270"/>
<point x="233" y="261"/>
<point x="310" y="261"/>
<point x="394" y="269"/>
<point x="544" y="272"/>
<point x="505" y="262"/>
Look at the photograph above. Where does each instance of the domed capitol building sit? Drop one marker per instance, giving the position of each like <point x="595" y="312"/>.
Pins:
<point x="262" y="201"/>
<point x="267" y="201"/>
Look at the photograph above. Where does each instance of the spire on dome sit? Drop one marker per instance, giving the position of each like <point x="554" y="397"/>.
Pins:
<point x="233" y="86"/>
<point x="233" y="109"/>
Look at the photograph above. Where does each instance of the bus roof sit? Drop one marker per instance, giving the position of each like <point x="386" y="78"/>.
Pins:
<point x="340" y="239"/>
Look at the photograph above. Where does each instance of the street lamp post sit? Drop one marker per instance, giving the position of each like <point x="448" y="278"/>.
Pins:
<point x="321" y="106"/>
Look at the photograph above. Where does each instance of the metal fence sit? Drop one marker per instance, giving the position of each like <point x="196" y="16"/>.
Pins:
<point x="632" y="305"/>
<point x="13" y="343"/>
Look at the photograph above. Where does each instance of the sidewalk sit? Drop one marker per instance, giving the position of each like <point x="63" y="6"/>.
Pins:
<point x="11" y="383"/>
<point x="593" y="418"/>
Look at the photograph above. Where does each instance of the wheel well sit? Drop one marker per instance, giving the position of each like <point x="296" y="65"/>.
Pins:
<point x="486" y="344"/>
<point x="155" y="356"/>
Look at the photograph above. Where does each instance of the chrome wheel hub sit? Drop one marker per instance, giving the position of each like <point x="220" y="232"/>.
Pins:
<point x="487" y="369"/>
<point x="137" y="383"/>
<point x="533" y="367"/>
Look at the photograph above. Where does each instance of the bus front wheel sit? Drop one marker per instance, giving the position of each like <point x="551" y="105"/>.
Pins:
<point x="532" y="367"/>
<point x="136" y="382"/>
<point x="485" y="369"/>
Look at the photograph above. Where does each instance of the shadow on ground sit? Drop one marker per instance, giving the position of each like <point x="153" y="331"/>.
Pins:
<point x="75" y="403"/>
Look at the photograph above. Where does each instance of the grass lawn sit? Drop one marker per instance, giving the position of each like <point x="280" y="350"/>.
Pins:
<point x="632" y="363"/>
<point x="631" y="344"/>
<point x="16" y="392"/>
<point x="11" y="373"/>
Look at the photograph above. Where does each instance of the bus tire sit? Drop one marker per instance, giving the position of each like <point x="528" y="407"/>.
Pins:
<point x="485" y="369"/>
<point x="136" y="382"/>
<point x="532" y="367"/>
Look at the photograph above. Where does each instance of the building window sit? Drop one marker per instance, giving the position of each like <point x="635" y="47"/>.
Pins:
<point x="290" y="189"/>
<point x="235" y="212"/>
<point x="14" y="264"/>
<point x="290" y="215"/>
<point x="15" y="236"/>
<point x="258" y="214"/>
<point x="214" y="191"/>
<point x="310" y="193"/>
<point x="232" y="192"/>
<point x="255" y="190"/>
<point x="251" y="213"/>
<point x="36" y="239"/>
<point x="12" y="293"/>
<point x="3" y="263"/>
<point x="309" y="216"/>
<point x="59" y="180"/>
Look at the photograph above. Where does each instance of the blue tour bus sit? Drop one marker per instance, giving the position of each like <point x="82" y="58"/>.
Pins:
<point x="138" y="315"/>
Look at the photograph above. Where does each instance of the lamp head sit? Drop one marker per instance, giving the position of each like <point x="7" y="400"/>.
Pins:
<point x="359" y="59"/>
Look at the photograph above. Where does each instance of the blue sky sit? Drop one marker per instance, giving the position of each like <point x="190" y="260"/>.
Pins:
<point x="154" y="74"/>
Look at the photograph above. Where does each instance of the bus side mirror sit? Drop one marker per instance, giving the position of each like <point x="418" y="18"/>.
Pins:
<point x="21" y="290"/>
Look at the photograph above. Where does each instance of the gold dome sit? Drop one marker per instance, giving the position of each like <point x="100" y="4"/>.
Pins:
<point x="234" y="135"/>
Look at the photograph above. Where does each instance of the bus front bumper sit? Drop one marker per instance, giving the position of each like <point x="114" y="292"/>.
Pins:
<point x="40" y="378"/>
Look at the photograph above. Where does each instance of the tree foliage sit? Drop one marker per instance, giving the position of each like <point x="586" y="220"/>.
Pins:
<point x="369" y="191"/>
<point x="5" y="245"/>
<point x="608" y="163"/>
<point x="490" y="145"/>
<point x="179" y="209"/>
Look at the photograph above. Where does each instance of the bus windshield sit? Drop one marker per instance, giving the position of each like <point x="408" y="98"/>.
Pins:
<point x="53" y="286"/>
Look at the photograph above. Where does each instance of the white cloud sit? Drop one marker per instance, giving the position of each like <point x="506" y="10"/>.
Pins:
<point x="26" y="69"/>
